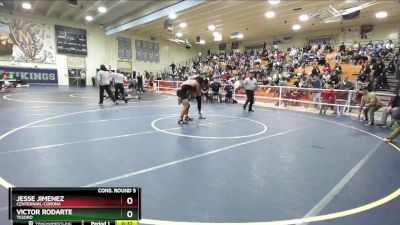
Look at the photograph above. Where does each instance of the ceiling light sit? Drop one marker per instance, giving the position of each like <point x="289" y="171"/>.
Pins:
<point x="240" y="36"/>
<point x="26" y="5"/>
<point x="202" y="42"/>
<point x="270" y="14"/>
<point x="381" y="14"/>
<point x="274" y="2"/>
<point x="304" y="17"/>
<point x="296" y="27"/>
<point x="89" y="18"/>
<point x="179" y="34"/>
<point x="102" y="9"/>
<point x="218" y="38"/>
<point x="172" y="16"/>
<point x="349" y="1"/>
<point x="216" y="33"/>
<point x="182" y="25"/>
<point x="211" y="27"/>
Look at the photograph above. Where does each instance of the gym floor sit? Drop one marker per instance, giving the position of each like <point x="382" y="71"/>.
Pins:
<point x="274" y="166"/>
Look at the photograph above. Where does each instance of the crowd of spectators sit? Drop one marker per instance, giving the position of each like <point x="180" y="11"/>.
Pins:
<point x="270" y="66"/>
<point x="288" y="68"/>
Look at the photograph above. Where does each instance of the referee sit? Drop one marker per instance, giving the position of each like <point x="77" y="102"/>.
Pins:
<point x="103" y="80"/>
<point x="251" y="85"/>
<point x="119" y="85"/>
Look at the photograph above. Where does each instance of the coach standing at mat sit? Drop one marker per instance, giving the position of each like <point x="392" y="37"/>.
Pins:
<point x="103" y="80"/>
<point x="251" y="85"/>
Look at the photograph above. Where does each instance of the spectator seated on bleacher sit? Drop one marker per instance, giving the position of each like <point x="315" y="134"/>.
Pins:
<point x="215" y="90"/>
<point x="327" y="68"/>
<point x="342" y="97"/>
<point x="394" y="103"/>
<point x="205" y="93"/>
<point x="334" y="78"/>
<point x="326" y="78"/>
<point x="315" y="71"/>
<point x="229" y="89"/>
<point x="321" y="58"/>
<point x="337" y="68"/>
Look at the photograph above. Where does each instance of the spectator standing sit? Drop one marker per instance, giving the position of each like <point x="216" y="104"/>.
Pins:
<point x="328" y="97"/>
<point x="379" y="68"/>
<point x="83" y="79"/>
<point x="94" y="80"/>
<point x="364" y="73"/>
<point x="139" y="82"/>
<point x="317" y="84"/>
<point x="173" y="66"/>
<point x="342" y="48"/>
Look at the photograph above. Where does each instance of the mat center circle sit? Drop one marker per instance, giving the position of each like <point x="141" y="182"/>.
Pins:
<point x="212" y="127"/>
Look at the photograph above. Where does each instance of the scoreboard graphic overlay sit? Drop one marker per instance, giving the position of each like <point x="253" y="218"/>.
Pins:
<point x="75" y="206"/>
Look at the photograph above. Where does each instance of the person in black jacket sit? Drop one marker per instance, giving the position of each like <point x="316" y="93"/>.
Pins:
<point x="364" y="73"/>
<point x="379" y="76"/>
<point x="173" y="68"/>
<point x="139" y="82"/>
<point x="342" y="49"/>
<point x="315" y="71"/>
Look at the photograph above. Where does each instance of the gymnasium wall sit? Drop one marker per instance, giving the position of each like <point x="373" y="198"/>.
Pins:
<point x="382" y="31"/>
<point x="169" y="52"/>
<point x="101" y="49"/>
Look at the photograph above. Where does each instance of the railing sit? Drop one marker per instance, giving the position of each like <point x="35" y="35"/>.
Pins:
<point x="343" y="101"/>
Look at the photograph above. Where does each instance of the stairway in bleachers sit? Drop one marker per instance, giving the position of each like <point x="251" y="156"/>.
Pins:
<point x="391" y="77"/>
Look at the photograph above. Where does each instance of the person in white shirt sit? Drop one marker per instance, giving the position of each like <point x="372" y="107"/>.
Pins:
<point x="94" y="80"/>
<point x="251" y="85"/>
<point x="83" y="79"/>
<point x="119" y="85"/>
<point x="103" y="80"/>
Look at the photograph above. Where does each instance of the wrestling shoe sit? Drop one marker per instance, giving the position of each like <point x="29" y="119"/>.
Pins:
<point x="182" y="122"/>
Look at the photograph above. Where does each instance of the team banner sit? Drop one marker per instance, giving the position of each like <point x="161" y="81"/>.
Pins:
<point x="124" y="48"/>
<point x="320" y="40"/>
<point x="282" y="39"/>
<point x="351" y="32"/>
<point x="32" y="75"/>
<point x="366" y="31"/>
<point x="147" y="51"/>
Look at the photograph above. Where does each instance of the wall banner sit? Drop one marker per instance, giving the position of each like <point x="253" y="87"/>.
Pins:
<point x="32" y="75"/>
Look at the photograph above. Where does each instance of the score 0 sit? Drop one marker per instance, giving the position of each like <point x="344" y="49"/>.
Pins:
<point x="131" y="201"/>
